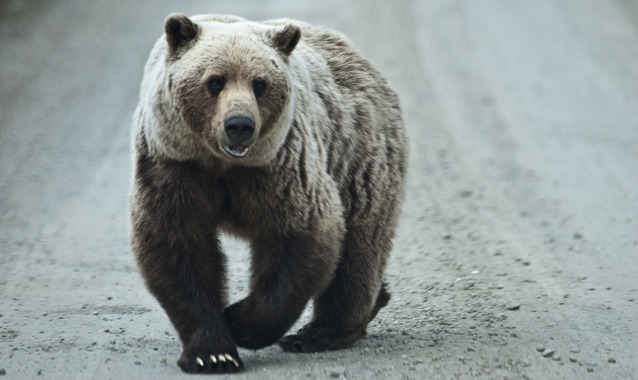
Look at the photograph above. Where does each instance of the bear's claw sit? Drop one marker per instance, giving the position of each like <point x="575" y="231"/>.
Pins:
<point x="220" y="363"/>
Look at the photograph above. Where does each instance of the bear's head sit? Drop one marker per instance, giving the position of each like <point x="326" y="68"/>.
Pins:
<point x="228" y="83"/>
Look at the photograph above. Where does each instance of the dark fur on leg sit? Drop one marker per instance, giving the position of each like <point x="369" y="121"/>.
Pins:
<point x="286" y="274"/>
<point x="312" y="338"/>
<point x="181" y="259"/>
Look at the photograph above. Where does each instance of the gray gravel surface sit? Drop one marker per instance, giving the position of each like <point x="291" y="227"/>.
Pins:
<point x="519" y="233"/>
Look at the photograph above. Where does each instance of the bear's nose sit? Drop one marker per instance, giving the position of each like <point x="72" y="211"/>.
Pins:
<point x="239" y="129"/>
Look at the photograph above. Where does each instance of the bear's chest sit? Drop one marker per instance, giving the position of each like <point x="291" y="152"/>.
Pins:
<point x="257" y="200"/>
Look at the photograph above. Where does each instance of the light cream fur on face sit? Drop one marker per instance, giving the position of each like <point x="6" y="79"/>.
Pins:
<point x="240" y="53"/>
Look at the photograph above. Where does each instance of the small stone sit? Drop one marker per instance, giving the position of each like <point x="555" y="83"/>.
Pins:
<point x="591" y="288"/>
<point x="96" y="313"/>
<point x="163" y="360"/>
<point x="337" y="372"/>
<point x="540" y="348"/>
<point x="471" y="349"/>
<point x="497" y="253"/>
<point x="611" y="360"/>
<point x="573" y="359"/>
<point x="138" y="363"/>
<point x="574" y="350"/>
<point x="548" y="352"/>
<point x="526" y="262"/>
<point x="555" y="357"/>
<point x="2" y="372"/>
<point x="590" y="369"/>
<point x="512" y="305"/>
<point x="446" y="235"/>
<point x="578" y="235"/>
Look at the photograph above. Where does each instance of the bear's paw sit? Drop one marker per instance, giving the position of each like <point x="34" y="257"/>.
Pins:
<point x="207" y="362"/>
<point x="322" y="338"/>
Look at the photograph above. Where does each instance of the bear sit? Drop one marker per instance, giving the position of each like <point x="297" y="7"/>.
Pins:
<point x="278" y="133"/>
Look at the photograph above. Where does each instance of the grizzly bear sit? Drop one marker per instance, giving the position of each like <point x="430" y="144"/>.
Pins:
<point x="281" y="134"/>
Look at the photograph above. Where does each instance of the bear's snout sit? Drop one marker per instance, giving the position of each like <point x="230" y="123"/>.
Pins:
<point x="239" y="129"/>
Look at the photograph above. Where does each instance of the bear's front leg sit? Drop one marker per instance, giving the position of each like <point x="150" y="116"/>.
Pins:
<point x="173" y="217"/>
<point x="287" y="272"/>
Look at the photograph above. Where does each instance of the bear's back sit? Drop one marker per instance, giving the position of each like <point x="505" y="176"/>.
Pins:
<point x="364" y="135"/>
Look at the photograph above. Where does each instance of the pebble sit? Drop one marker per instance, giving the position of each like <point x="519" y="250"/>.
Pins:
<point x="512" y="305"/>
<point x="540" y="348"/>
<point x="2" y="372"/>
<point x="555" y="357"/>
<point x="471" y="349"/>
<point x="590" y="369"/>
<point x="138" y="363"/>
<point x="336" y="372"/>
<point x="574" y="350"/>
<point x="548" y="352"/>
<point x="573" y="359"/>
<point x="611" y="360"/>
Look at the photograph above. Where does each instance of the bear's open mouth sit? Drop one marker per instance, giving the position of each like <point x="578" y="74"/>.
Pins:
<point x="237" y="151"/>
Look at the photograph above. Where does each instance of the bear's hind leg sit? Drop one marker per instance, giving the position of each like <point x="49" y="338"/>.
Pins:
<point x="357" y="292"/>
<point x="287" y="273"/>
<point x="310" y="339"/>
<point x="343" y="311"/>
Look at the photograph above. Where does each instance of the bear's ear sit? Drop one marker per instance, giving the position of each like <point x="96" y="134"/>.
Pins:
<point x="285" y="38"/>
<point x="179" y="31"/>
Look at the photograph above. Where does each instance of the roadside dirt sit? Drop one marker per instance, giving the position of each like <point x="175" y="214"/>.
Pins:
<point x="519" y="234"/>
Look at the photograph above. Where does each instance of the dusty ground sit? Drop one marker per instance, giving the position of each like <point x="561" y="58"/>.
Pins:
<point x="523" y="191"/>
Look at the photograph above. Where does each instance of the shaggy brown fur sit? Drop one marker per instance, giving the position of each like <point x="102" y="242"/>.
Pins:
<point x="316" y="188"/>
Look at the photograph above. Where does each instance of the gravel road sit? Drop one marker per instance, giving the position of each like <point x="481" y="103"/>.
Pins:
<point x="517" y="251"/>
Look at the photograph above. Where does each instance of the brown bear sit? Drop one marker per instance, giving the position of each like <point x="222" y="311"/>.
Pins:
<point x="281" y="134"/>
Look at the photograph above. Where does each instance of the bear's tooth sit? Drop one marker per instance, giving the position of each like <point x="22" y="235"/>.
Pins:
<point x="221" y="358"/>
<point x="200" y="361"/>
<point x="213" y="359"/>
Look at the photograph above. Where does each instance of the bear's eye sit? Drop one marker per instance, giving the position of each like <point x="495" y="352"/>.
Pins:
<point x="259" y="87"/>
<point x="215" y="86"/>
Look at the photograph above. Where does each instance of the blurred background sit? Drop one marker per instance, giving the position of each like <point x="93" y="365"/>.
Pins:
<point x="523" y="188"/>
